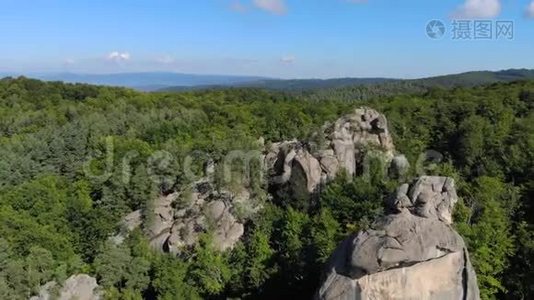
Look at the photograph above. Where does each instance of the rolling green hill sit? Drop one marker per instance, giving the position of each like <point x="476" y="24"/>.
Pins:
<point x="477" y="78"/>
<point x="310" y="85"/>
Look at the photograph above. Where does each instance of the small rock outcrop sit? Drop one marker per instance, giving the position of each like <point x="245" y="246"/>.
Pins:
<point x="412" y="253"/>
<point x="130" y="222"/>
<point x="79" y="287"/>
<point x="399" y="166"/>
<point x="177" y="220"/>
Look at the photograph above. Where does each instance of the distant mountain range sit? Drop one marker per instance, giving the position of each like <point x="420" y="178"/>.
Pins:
<point x="463" y="79"/>
<point x="164" y="81"/>
<point x="146" y="81"/>
<point x="478" y="78"/>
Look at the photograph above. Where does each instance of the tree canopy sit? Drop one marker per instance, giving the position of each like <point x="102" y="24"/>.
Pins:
<point x="62" y="196"/>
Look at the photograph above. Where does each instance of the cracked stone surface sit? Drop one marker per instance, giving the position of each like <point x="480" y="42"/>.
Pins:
<point x="412" y="253"/>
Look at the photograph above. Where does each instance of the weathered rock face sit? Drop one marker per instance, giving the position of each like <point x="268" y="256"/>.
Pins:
<point x="350" y="135"/>
<point x="429" y="197"/>
<point x="343" y="146"/>
<point x="79" y="287"/>
<point x="227" y="230"/>
<point x="413" y="253"/>
<point x="179" y="218"/>
<point x="160" y="220"/>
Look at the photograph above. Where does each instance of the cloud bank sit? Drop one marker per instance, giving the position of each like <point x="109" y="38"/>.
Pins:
<point x="478" y="9"/>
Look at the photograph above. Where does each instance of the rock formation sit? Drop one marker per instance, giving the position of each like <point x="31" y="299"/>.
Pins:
<point x="206" y="211"/>
<point x="412" y="253"/>
<point x="341" y="145"/>
<point x="79" y="287"/>
<point x="175" y="220"/>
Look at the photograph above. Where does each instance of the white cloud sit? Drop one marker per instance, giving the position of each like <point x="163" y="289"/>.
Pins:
<point x="166" y="59"/>
<point x="273" y="6"/>
<point x="237" y="6"/>
<point x="530" y="10"/>
<point x="478" y="9"/>
<point x="69" y="61"/>
<point x="288" y="59"/>
<point x="117" y="56"/>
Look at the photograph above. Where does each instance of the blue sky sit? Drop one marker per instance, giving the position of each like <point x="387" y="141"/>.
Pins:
<point x="277" y="38"/>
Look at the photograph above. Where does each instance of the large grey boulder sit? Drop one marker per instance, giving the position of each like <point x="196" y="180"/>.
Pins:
<point x="329" y="164"/>
<point x="160" y="219"/>
<point x="76" y="287"/>
<point x="412" y="253"/>
<point x="311" y="168"/>
<point x="279" y="160"/>
<point x="80" y="287"/>
<point x="227" y="229"/>
<point x="353" y="134"/>
<point x="399" y="166"/>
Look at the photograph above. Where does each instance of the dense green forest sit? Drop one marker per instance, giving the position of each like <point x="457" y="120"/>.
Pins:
<point x="55" y="221"/>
